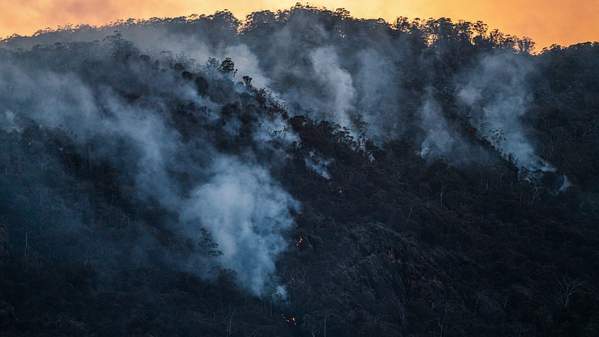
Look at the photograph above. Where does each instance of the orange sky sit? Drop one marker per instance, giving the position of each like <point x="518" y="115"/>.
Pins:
<point x="546" y="21"/>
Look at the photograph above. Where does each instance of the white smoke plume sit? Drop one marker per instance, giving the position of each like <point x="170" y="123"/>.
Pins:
<point x="234" y="199"/>
<point x="247" y="215"/>
<point x="318" y="165"/>
<point x="337" y="83"/>
<point x="439" y="143"/>
<point x="497" y="97"/>
<point x="378" y="95"/>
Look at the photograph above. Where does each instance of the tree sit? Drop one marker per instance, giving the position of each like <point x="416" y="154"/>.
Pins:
<point x="227" y="66"/>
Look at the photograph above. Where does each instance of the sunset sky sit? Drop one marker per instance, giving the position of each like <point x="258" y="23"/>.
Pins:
<point x="546" y="21"/>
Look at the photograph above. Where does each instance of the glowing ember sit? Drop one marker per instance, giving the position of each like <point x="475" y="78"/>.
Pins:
<point x="290" y="319"/>
<point x="299" y="243"/>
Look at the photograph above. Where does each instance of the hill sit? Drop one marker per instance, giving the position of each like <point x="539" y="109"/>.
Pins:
<point x="299" y="173"/>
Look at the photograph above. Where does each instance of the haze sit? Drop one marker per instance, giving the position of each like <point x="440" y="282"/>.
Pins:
<point x="546" y="21"/>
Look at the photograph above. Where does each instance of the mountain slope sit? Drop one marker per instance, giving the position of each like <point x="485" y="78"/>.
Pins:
<point x="302" y="173"/>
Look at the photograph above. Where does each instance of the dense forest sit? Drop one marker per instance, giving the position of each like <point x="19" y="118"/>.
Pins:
<point x="298" y="173"/>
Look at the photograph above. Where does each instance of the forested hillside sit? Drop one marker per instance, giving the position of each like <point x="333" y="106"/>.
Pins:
<point x="297" y="173"/>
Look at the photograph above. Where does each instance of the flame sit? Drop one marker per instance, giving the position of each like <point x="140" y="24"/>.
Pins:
<point x="291" y="320"/>
<point x="299" y="243"/>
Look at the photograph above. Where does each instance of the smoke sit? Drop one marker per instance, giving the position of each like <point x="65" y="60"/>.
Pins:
<point x="496" y="95"/>
<point x="247" y="215"/>
<point x="439" y="142"/>
<point x="7" y="120"/>
<point x="318" y="165"/>
<point x="305" y="62"/>
<point x="337" y="83"/>
<point x="378" y="95"/>
<point x="126" y="111"/>
<point x="360" y="74"/>
<point x="190" y="140"/>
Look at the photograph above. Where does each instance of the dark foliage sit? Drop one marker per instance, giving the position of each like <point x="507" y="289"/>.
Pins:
<point x="393" y="244"/>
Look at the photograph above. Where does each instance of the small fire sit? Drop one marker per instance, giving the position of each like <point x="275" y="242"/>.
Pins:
<point x="290" y="319"/>
<point x="299" y="243"/>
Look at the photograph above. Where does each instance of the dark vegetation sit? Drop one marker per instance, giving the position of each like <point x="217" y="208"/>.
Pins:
<point x="393" y="244"/>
